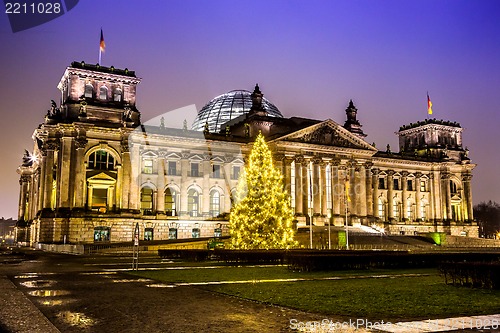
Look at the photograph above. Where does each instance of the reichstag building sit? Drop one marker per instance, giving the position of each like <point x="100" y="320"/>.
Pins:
<point x="95" y="170"/>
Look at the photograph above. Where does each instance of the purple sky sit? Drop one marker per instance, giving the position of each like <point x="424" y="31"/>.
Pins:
<point x="309" y="58"/>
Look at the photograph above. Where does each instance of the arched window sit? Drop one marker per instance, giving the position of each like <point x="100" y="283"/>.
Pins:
<point x="170" y="206"/>
<point x="117" y="95"/>
<point x="381" y="210"/>
<point x="395" y="210"/>
<point x="89" y="91"/>
<point x="101" y="160"/>
<point x="103" y="93"/>
<point x="214" y="203"/>
<point x="147" y="201"/>
<point x="423" y="211"/>
<point x="453" y="187"/>
<point x="193" y="201"/>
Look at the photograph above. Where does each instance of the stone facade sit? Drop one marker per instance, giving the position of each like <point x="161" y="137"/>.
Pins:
<point x="96" y="171"/>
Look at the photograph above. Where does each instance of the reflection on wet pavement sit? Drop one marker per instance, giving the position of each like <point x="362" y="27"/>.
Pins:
<point x="48" y="293"/>
<point x="76" y="319"/>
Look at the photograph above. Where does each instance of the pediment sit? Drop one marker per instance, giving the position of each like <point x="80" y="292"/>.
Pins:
<point x="101" y="177"/>
<point x="328" y="133"/>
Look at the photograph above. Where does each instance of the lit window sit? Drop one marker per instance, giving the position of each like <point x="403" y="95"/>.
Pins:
<point x="117" y="95"/>
<point x="172" y="168"/>
<point x="408" y="210"/>
<point x="422" y="186"/>
<point x="103" y="93"/>
<point x="193" y="199"/>
<point x="148" y="166"/>
<point x="170" y="202"/>
<point x="101" y="160"/>
<point x="102" y="234"/>
<point x="148" y="234"/>
<point x="100" y="199"/>
<point x="89" y="91"/>
<point x="381" y="213"/>
<point x="147" y="201"/>
<point x="217" y="232"/>
<point x="172" y="233"/>
<point x="214" y="203"/>
<point x="195" y="233"/>
<point x="423" y="211"/>
<point x="395" y="210"/>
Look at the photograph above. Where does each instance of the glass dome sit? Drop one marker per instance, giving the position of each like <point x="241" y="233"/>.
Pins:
<point x="229" y="106"/>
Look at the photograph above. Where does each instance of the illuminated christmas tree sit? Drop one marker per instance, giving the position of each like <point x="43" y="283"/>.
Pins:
<point x="262" y="215"/>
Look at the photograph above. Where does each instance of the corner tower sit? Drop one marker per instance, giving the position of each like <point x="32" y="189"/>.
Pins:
<point x="94" y="93"/>
<point x="352" y="124"/>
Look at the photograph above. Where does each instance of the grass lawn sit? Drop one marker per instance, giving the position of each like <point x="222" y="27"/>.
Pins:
<point x="393" y="298"/>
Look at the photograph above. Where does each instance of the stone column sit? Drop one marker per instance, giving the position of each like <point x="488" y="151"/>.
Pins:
<point x="369" y="190"/>
<point x="445" y="177"/>
<point x="418" y="202"/>
<point x="126" y="176"/>
<point x="362" y="190"/>
<point x="375" y="193"/>
<point x="23" y="183"/>
<point x="287" y="175"/>
<point x="160" y="184"/>
<point x="135" y="170"/>
<point x="323" y="206"/>
<point x="436" y="197"/>
<point x="390" y="195"/>
<point x="204" y="201"/>
<point x="299" y="191"/>
<point x="468" y="208"/>
<point x="64" y="177"/>
<point x="404" y="199"/>
<point x="41" y="180"/>
<point x="51" y="145"/>
<point x="79" y="187"/>
<point x="317" y="187"/>
<point x="336" y="188"/>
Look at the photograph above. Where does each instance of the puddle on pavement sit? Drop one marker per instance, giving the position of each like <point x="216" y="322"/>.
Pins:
<point x="26" y="276"/>
<point x="37" y="283"/>
<point x="76" y="319"/>
<point x="131" y="280"/>
<point x="54" y="302"/>
<point x="98" y="273"/>
<point x="48" y="293"/>
<point x="160" y="285"/>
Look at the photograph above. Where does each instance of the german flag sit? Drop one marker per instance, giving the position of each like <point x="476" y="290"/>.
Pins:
<point x="102" y="45"/>
<point x="429" y="104"/>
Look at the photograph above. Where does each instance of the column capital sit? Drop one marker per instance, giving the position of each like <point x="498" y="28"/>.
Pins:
<point x="80" y="143"/>
<point x="124" y="146"/>
<point x="299" y="159"/>
<point x="418" y="175"/>
<point x="390" y="173"/>
<point x="368" y="165"/>
<point x="51" y="144"/>
<point x="404" y="174"/>
<point x="466" y="177"/>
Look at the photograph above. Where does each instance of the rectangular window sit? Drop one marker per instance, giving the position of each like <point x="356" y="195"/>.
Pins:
<point x="215" y="171"/>
<point x="148" y="166"/>
<point x="102" y="234"/>
<point x="172" y="168"/>
<point x="172" y="233"/>
<point x="381" y="183"/>
<point x="410" y="185"/>
<point x="396" y="184"/>
<point x="99" y="198"/>
<point x="422" y="186"/>
<point x="148" y="234"/>
<point x="236" y="172"/>
<point x="217" y="232"/>
<point x="195" y="169"/>
<point x="195" y="233"/>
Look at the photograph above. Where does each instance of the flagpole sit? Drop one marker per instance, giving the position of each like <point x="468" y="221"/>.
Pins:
<point x="99" y="55"/>
<point x="346" y="222"/>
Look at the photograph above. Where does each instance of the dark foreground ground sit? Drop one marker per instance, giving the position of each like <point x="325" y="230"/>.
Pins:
<point x="90" y="294"/>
